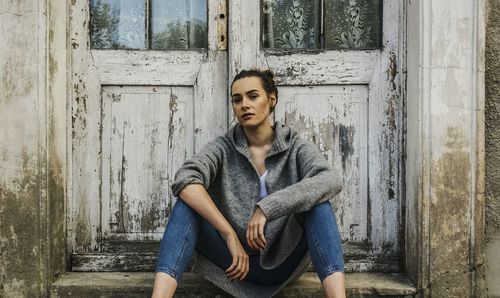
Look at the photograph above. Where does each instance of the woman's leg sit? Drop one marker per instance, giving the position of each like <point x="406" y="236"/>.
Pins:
<point x="212" y="246"/>
<point x="321" y="238"/>
<point x="176" y="248"/>
<point x="278" y="275"/>
<point x="325" y="247"/>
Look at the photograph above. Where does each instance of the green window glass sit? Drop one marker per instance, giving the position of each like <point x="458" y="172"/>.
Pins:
<point x="179" y="24"/>
<point x="315" y="24"/>
<point x="148" y="24"/>
<point x="117" y="24"/>
<point x="291" y="24"/>
<point x="352" y="24"/>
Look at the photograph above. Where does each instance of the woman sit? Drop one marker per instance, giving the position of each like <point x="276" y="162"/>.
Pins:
<point x="253" y="205"/>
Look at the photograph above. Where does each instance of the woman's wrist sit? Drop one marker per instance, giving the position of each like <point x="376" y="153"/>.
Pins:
<point x="226" y="233"/>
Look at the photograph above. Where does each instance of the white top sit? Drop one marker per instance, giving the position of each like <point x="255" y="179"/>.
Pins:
<point x="263" y="190"/>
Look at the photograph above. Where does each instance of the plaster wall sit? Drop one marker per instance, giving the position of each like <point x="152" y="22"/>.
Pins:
<point x="32" y="145"/>
<point x="445" y="150"/>
<point x="21" y="188"/>
<point x="492" y="143"/>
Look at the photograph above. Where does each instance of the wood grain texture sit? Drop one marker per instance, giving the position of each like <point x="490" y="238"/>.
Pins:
<point x="363" y="140"/>
<point x="323" y="68"/>
<point x="116" y="67"/>
<point x="336" y="119"/>
<point x="145" y="139"/>
<point x="83" y="206"/>
<point x="136" y="116"/>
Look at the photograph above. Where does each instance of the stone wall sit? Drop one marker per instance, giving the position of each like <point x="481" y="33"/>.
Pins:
<point x="492" y="143"/>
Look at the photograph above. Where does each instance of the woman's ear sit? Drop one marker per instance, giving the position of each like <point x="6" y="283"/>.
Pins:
<point x="273" y="99"/>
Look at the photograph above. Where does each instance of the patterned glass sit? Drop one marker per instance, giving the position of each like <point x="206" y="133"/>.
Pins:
<point x="291" y="24"/>
<point x="353" y="24"/>
<point x="118" y="24"/>
<point x="178" y="24"/>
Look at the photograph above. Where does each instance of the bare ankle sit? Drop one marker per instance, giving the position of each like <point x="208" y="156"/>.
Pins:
<point x="164" y="285"/>
<point x="334" y="285"/>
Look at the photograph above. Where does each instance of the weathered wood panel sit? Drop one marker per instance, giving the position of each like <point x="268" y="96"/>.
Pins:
<point x="365" y="143"/>
<point x="336" y="119"/>
<point x="148" y="67"/>
<point x="381" y="71"/>
<point x="323" y="68"/>
<point x="144" y="141"/>
<point x="136" y="115"/>
<point x="84" y="191"/>
<point x="385" y="155"/>
<point x="142" y="256"/>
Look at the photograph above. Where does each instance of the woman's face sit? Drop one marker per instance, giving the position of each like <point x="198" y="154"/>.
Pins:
<point x="251" y="103"/>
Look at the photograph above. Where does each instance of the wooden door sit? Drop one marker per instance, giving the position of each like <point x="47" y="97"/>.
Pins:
<point x="148" y="88"/>
<point x="339" y="64"/>
<point x="144" y="100"/>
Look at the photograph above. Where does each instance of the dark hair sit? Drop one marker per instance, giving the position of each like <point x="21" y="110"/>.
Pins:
<point x="267" y="78"/>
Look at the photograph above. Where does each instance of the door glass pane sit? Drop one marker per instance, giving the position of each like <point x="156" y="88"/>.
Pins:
<point x="291" y="24"/>
<point x="118" y="24"/>
<point x="353" y="24"/>
<point x="178" y="24"/>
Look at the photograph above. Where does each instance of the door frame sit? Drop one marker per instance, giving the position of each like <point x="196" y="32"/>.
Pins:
<point x="421" y="26"/>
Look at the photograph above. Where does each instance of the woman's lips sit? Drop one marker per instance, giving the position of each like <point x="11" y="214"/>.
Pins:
<point x="247" y="116"/>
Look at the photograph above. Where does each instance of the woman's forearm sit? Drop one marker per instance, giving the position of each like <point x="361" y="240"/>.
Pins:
<point x="196" y="196"/>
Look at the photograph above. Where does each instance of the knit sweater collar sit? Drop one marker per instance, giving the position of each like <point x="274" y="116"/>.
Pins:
<point x="283" y="139"/>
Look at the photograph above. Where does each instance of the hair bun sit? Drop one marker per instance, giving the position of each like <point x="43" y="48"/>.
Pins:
<point x="267" y="77"/>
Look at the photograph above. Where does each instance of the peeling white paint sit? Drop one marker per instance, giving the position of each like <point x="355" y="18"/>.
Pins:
<point x="136" y="115"/>
<point x="370" y="210"/>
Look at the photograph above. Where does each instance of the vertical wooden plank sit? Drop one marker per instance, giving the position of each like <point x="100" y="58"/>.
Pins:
<point x="145" y="140"/>
<point x="210" y="89"/>
<point x="84" y="211"/>
<point x="384" y="141"/>
<point x="244" y="37"/>
<point x="335" y="118"/>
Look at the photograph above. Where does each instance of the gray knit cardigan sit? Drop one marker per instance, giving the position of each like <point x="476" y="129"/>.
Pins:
<point x="298" y="178"/>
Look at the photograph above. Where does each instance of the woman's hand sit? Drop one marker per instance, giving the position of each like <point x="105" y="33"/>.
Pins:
<point x="240" y="266"/>
<point x="255" y="230"/>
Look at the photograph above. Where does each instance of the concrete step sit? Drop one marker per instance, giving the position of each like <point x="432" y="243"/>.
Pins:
<point x="139" y="284"/>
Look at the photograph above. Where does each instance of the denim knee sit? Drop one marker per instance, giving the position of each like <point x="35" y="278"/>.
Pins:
<point x="179" y="239"/>
<point x="323" y="238"/>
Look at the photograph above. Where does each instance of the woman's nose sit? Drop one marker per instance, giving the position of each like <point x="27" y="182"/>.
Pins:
<point x="245" y="102"/>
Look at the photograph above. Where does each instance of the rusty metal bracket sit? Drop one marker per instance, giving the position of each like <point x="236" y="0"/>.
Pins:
<point x="222" y="26"/>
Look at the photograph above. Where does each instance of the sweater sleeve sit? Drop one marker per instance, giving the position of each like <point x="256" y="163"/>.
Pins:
<point x="319" y="183"/>
<point x="202" y="168"/>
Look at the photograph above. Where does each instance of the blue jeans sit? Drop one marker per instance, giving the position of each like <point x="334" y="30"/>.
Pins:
<point x="187" y="230"/>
